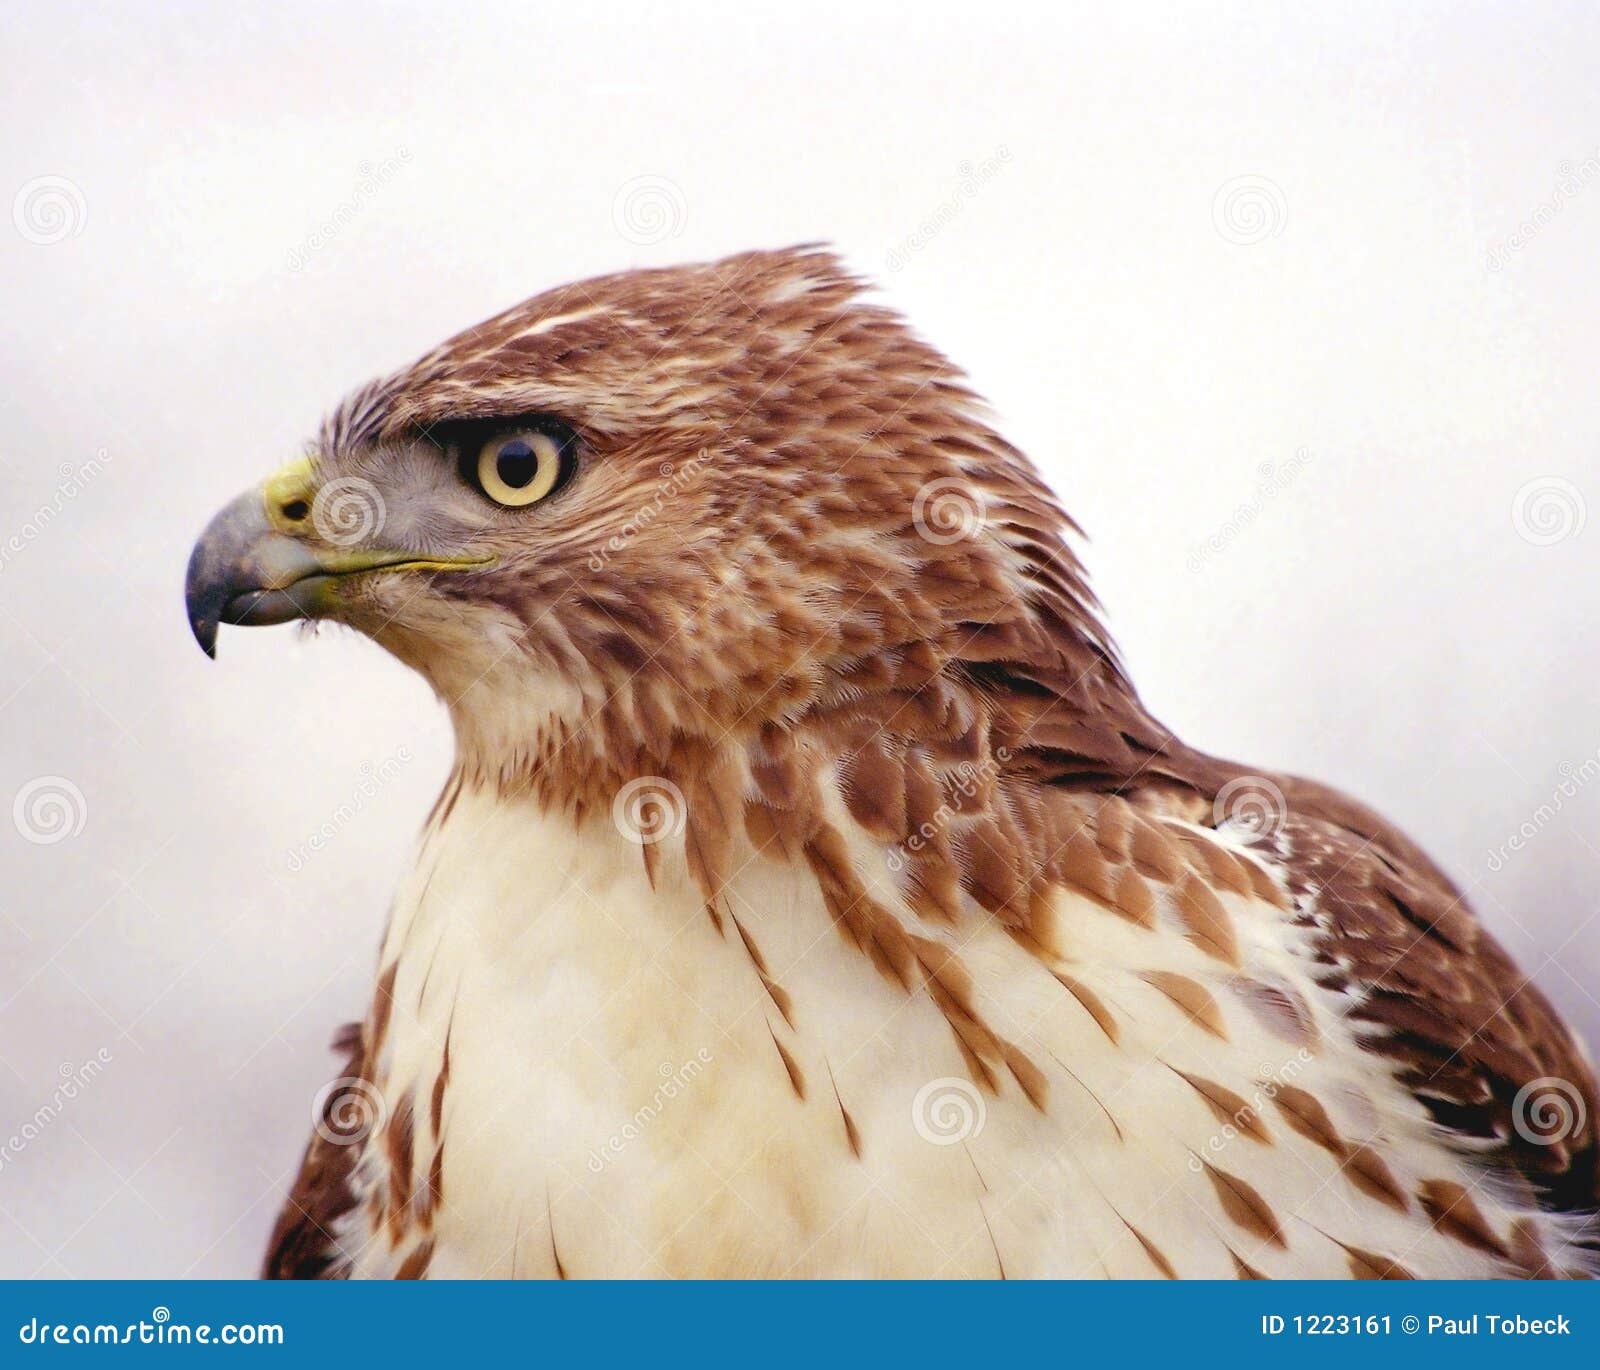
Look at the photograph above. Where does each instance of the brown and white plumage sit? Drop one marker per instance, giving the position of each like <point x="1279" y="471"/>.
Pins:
<point x="957" y="962"/>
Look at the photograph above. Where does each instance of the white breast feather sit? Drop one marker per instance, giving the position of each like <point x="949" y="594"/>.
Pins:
<point x="617" y="1100"/>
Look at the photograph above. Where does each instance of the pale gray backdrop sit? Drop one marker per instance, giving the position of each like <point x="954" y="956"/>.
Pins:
<point x="1298" y="315"/>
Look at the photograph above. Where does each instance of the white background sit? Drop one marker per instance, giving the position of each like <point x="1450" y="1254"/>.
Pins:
<point x="264" y="209"/>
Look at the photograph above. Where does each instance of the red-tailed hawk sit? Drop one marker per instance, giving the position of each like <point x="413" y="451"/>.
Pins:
<point x="812" y="895"/>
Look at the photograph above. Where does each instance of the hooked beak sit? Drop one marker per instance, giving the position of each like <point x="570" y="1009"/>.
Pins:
<point x="259" y="561"/>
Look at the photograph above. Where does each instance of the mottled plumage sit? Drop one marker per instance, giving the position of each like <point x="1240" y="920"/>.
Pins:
<point x="795" y="769"/>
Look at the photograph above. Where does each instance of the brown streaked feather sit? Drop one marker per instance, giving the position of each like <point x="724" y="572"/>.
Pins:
<point x="797" y="1079"/>
<point x="1227" y="1107"/>
<point x="1192" y="997"/>
<point x="1207" y="921"/>
<point x="1370" y="1173"/>
<point x="1154" y="1252"/>
<point x="1243" y="1203"/>
<point x="852" y="1135"/>
<point x="1364" y="1265"/>
<point x="302" y="1246"/>
<point x="415" y="1266"/>
<point x="1304" y="1112"/>
<point x="1242" y="1269"/>
<point x="1453" y="1210"/>
<point x="1447" y="1010"/>
<point x="1092" y="1004"/>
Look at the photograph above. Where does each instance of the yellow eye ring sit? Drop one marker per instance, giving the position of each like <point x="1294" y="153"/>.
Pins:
<point x="519" y="469"/>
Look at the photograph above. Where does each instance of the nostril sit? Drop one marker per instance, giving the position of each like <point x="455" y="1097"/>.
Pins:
<point x="296" y="510"/>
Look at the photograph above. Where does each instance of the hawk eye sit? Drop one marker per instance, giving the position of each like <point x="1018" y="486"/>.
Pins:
<point x="518" y="469"/>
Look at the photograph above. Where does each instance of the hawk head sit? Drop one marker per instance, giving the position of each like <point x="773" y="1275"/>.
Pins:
<point x="666" y="504"/>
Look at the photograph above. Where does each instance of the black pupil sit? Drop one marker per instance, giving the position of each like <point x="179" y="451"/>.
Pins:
<point x="517" y="464"/>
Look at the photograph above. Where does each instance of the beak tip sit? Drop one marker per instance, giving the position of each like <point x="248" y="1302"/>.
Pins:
<point x="217" y="563"/>
<point x="205" y="633"/>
